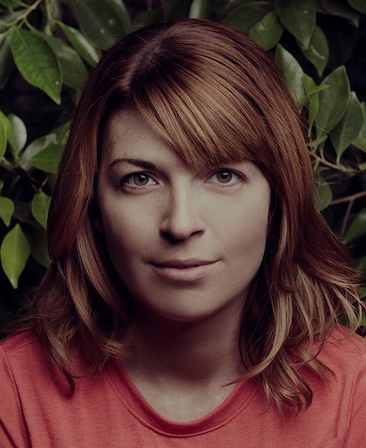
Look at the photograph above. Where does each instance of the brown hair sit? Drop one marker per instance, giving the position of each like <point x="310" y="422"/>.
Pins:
<point x="212" y="95"/>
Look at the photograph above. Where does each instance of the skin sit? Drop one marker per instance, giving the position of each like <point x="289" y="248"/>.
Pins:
<point x="187" y="244"/>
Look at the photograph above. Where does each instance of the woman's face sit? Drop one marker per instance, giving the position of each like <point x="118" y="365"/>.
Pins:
<point x="186" y="243"/>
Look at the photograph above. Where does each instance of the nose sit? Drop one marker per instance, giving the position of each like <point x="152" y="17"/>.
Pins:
<point x="181" y="219"/>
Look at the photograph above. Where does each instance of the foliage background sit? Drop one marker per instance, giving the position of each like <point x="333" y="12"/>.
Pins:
<point x="48" y="47"/>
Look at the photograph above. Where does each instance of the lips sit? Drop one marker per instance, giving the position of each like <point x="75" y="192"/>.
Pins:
<point x="184" y="270"/>
<point x="183" y="264"/>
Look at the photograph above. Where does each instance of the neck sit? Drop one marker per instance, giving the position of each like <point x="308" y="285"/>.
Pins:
<point x="200" y="352"/>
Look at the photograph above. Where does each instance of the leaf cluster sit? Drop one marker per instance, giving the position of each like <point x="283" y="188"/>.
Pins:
<point x="48" y="47"/>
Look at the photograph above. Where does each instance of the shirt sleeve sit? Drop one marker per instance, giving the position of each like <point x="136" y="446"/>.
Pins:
<point x="13" y="431"/>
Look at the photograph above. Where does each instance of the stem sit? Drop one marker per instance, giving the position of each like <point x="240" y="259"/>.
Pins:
<point x="345" y="219"/>
<point x="26" y="13"/>
<point x="350" y="198"/>
<point x="334" y="166"/>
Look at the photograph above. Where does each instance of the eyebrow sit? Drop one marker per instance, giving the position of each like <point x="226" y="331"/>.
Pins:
<point x="137" y="162"/>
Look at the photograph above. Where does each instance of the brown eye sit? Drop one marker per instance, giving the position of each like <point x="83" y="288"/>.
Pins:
<point x="224" y="177"/>
<point x="140" y="179"/>
<point x="136" y="180"/>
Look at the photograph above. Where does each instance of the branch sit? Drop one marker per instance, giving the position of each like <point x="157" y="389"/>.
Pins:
<point x="350" y="198"/>
<point x="26" y="13"/>
<point x="343" y="169"/>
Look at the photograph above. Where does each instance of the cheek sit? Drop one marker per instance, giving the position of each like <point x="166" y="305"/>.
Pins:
<point x="125" y="237"/>
<point x="246" y="234"/>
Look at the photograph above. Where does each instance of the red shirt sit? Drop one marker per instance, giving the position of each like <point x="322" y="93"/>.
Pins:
<point x="108" y="411"/>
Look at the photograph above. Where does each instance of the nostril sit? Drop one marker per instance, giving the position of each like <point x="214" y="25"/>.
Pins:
<point x="174" y="239"/>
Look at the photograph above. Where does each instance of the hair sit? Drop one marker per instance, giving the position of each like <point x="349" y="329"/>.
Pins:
<point x="212" y="95"/>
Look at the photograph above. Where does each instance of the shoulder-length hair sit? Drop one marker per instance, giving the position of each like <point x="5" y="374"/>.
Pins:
<point x="212" y="95"/>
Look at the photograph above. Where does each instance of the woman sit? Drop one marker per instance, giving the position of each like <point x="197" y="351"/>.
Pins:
<point x="194" y="290"/>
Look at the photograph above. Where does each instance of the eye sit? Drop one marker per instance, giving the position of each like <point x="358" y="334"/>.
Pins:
<point x="225" y="177"/>
<point x="136" y="180"/>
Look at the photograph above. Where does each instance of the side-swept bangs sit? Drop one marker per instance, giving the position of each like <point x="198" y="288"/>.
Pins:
<point x="200" y="114"/>
<point x="207" y="101"/>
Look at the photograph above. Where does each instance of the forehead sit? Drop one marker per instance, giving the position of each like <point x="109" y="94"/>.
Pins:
<point x="127" y="130"/>
<point x="125" y="125"/>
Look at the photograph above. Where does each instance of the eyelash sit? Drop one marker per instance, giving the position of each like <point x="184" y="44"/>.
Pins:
<point x="233" y="173"/>
<point x="128" y="177"/>
<point x="125" y="179"/>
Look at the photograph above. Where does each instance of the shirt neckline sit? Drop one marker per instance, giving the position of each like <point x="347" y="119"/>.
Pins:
<point x="131" y="398"/>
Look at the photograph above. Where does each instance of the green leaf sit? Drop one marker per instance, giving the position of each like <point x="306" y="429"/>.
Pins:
<point x="361" y="266"/>
<point x="48" y="159"/>
<point x="38" y="243"/>
<point x="40" y="207"/>
<point x="341" y="9"/>
<point x="86" y="50"/>
<point x="333" y="101"/>
<point x="3" y="36"/>
<point x="360" y="140"/>
<point x="36" y="146"/>
<point x="8" y="19"/>
<point x="37" y="62"/>
<point x="299" y="18"/>
<point x="357" y="227"/>
<point x="6" y="210"/>
<point x="323" y="195"/>
<point x="102" y="22"/>
<point x="3" y="134"/>
<point x="14" y="253"/>
<point x="318" y="51"/>
<point x="10" y="4"/>
<point x="267" y="32"/>
<point x="175" y="9"/>
<point x="360" y="5"/>
<point x="6" y="60"/>
<point x="293" y="74"/>
<point x="245" y="16"/>
<point x="54" y="11"/>
<point x="362" y="294"/>
<point x="341" y="36"/>
<point x="200" y="9"/>
<point x="348" y="128"/>
<point x="146" y="18"/>
<point x="313" y="100"/>
<point x="74" y="71"/>
<point x="62" y="133"/>
<point x="17" y="134"/>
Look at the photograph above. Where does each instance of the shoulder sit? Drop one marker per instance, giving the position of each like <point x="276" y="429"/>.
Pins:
<point x="345" y="355"/>
<point x="18" y="341"/>
<point x="23" y="347"/>
<point x="343" y="350"/>
<point x="22" y="358"/>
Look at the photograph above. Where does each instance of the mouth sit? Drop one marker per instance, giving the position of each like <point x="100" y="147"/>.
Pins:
<point x="184" y="270"/>
<point x="183" y="264"/>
